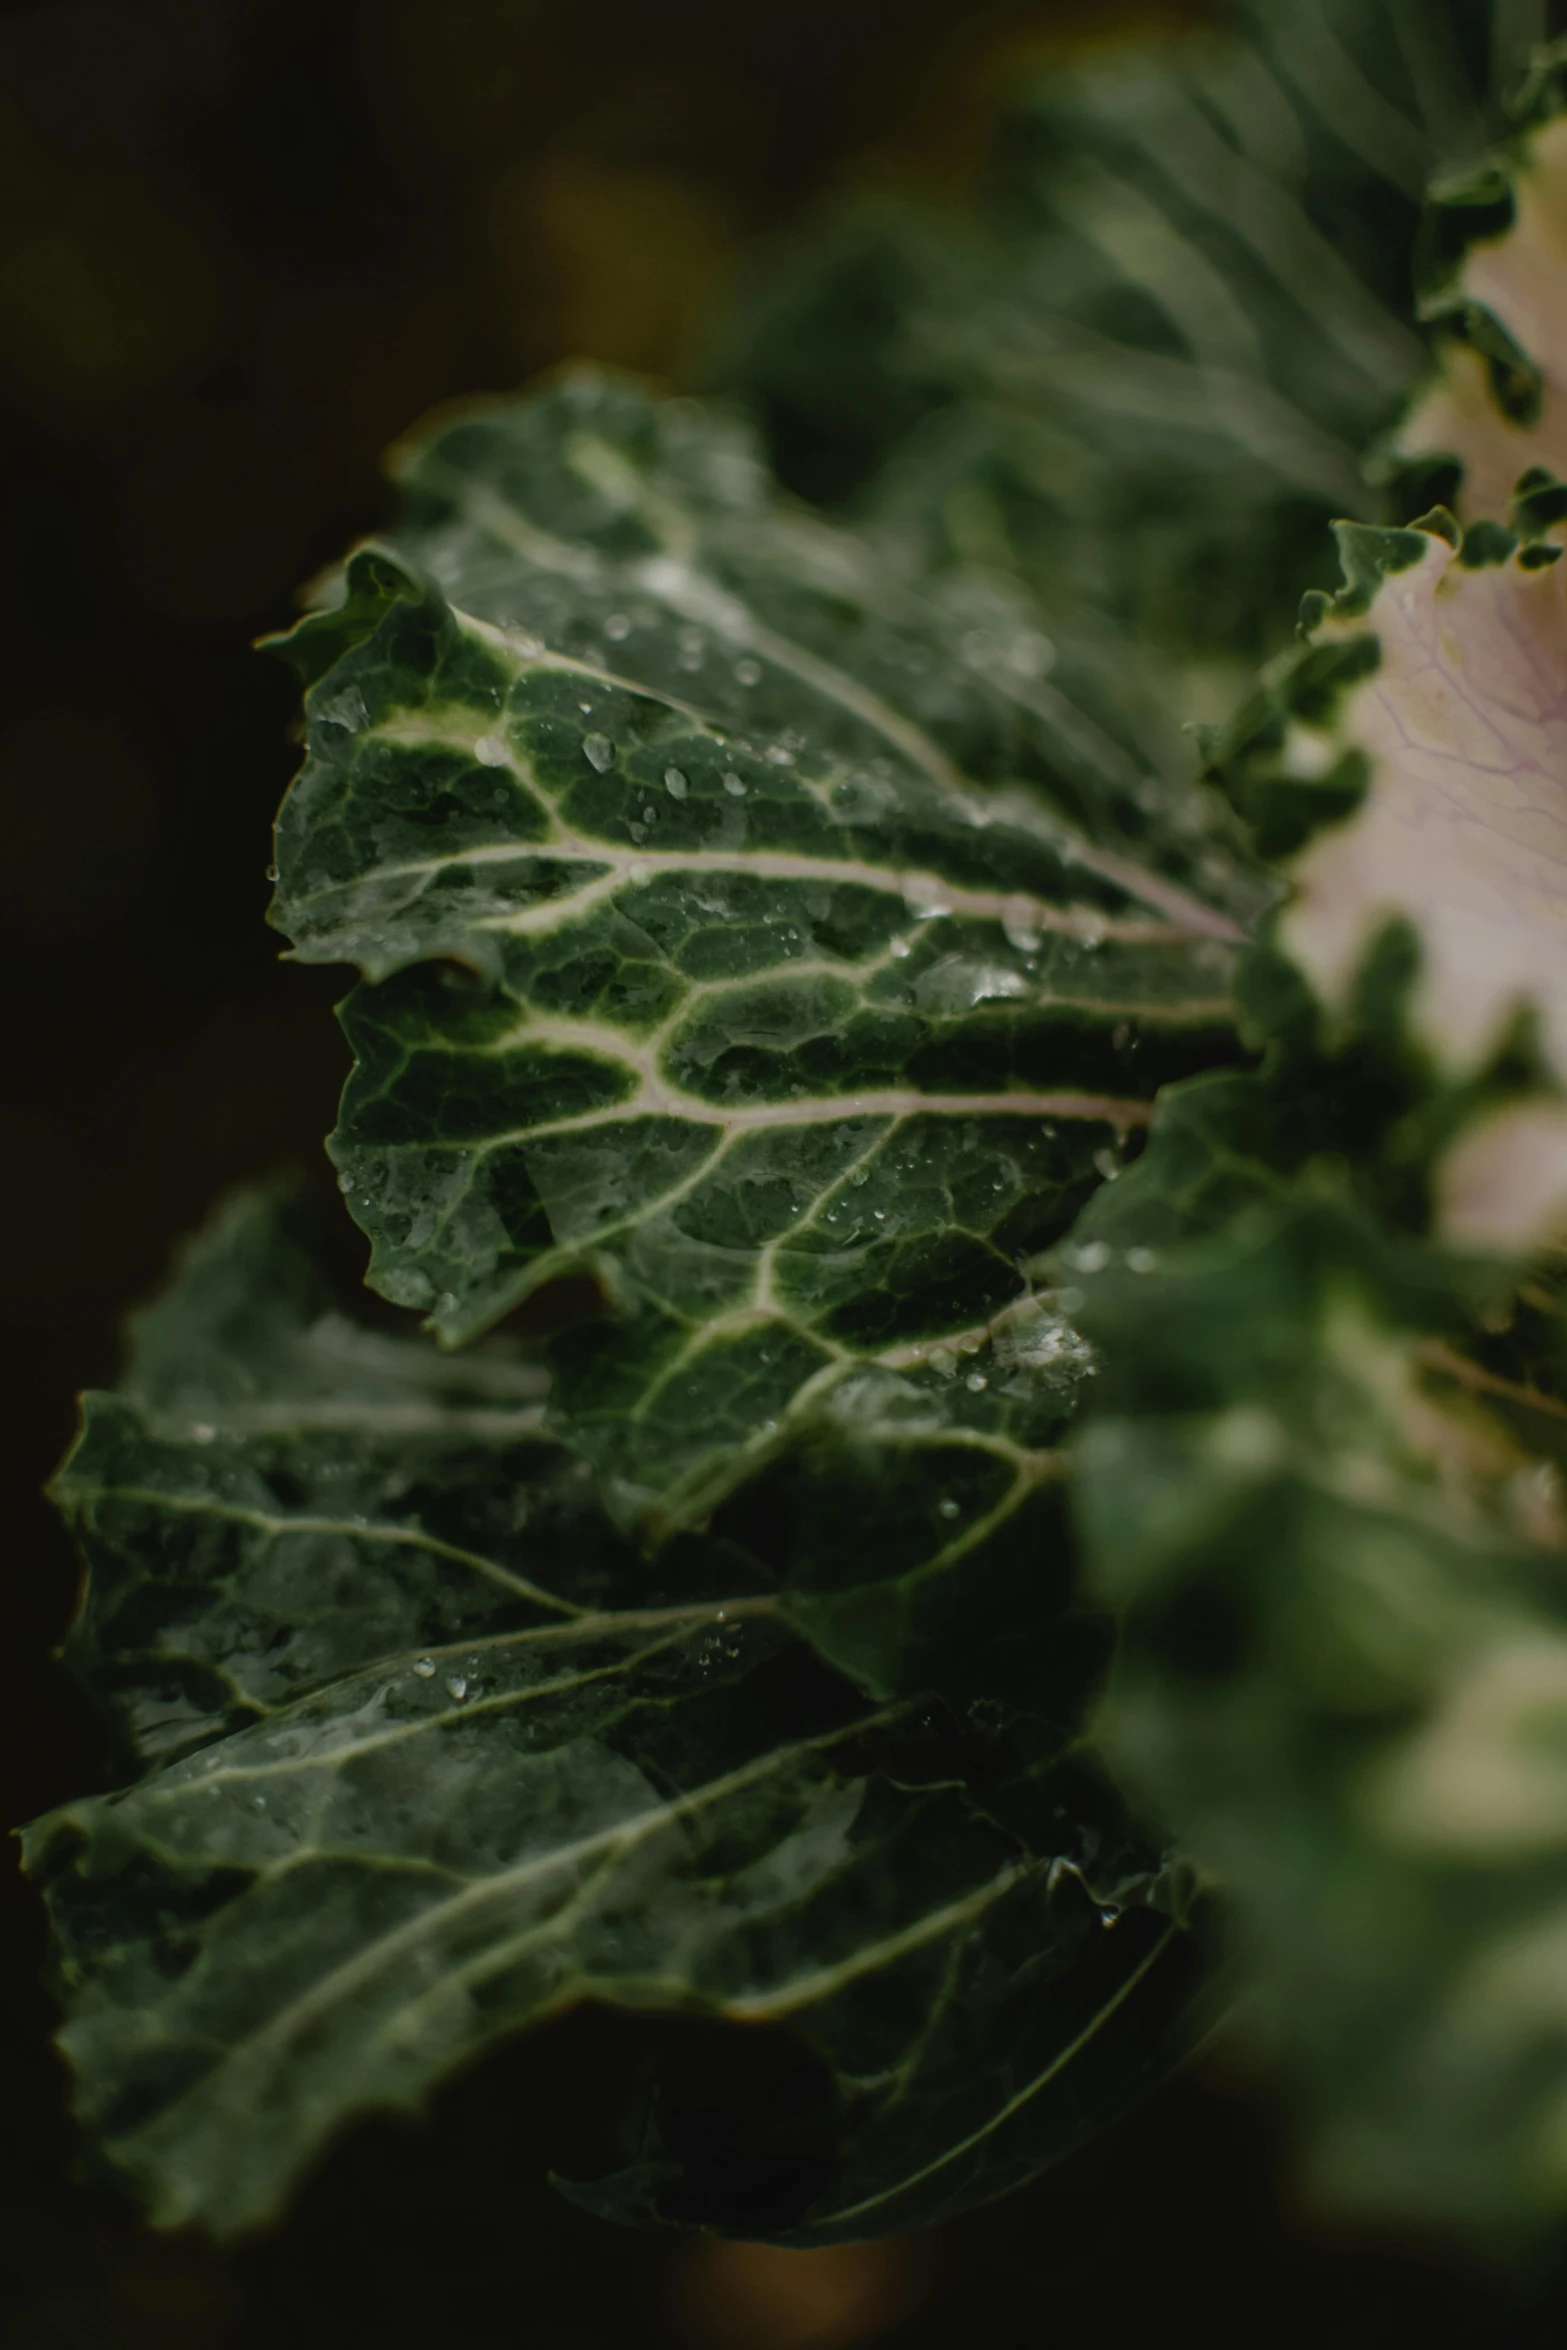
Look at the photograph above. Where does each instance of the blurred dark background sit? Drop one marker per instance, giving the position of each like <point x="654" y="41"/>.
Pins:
<point x="242" y="245"/>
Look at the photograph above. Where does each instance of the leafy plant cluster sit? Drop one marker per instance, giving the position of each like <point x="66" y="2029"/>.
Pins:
<point x="969" y="1465"/>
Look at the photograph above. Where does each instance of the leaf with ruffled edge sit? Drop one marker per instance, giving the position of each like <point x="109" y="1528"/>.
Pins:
<point x="435" y="1755"/>
<point x="1496" y="404"/>
<point x="1336" y="1533"/>
<point x="1323" y="1476"/>
<point x="1409" y="770"/>
<point x="735" y="940"/>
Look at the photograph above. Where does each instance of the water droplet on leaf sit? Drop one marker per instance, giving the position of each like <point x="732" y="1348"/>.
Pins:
<point x="1021" y="920"/>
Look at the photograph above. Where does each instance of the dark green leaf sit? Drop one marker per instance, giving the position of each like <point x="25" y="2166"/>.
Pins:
<point x="736" y="939"/>
<point x="1144" y="379"/>
<point x="435" y="1754"/>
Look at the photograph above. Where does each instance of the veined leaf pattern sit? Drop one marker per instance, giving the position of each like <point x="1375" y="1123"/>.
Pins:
<point x="733" y="937"/>
<point x="435" y="1754"/>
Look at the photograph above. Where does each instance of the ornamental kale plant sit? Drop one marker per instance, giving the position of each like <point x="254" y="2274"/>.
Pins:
<point x="970" y="1462"/>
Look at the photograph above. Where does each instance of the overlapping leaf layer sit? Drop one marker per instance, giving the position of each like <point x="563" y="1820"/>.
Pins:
<point x="1146" y="377"/>
<point x="1325" y="1480"/>
<point x="733" y="942"/>
<point x="433" y="1753"/>
<point x="778" y="939"/>
<point x="1332" y="1511"/>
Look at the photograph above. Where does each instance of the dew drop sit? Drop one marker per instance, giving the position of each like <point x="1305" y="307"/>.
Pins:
<point x="732" y="784"/>
<point x="203" y="1433"/>
<point x="617" y="627"/>
<point x="1020" y="919"/>
<point x="777" y="756"/>
<point x="976" y="1383"/>
<point x="748" y="672"/>
<point x="598" y="751"/>
<point x="901" y="950"/>
<point x="490" y="751"/>
<point x="948" y="1508"/>
<point x="425" y="1668"/>
<point x="457" y="1688"/>
<point x="272" y="873"/>
<point x="675" y="783"/>
<point x="1140" y="1260"/>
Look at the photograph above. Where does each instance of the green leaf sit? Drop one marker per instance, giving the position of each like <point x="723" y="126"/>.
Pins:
<point x="736" y="940"/>
<point x="1144" y="378"/>
<point x="434" y="1755"/>
<point x="1330" y="1507"/>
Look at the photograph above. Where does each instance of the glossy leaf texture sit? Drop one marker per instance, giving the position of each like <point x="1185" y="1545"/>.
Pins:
<point x="736" y="937"/>
<point x="1327" y="1495"/>
<point x="1144" y="377"/>
<point x="431" y="1754"/>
